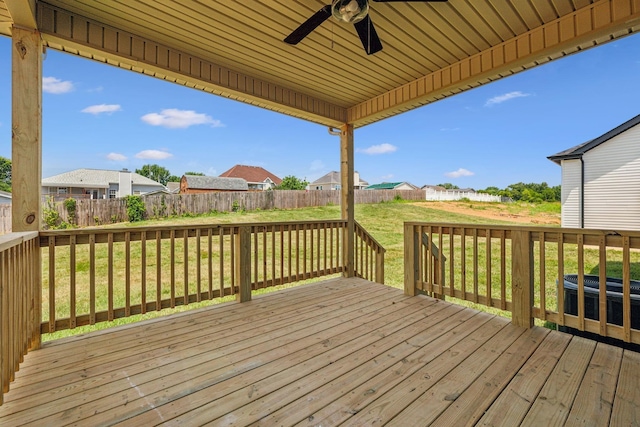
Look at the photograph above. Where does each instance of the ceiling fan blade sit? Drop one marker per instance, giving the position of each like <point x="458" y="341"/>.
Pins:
<point x="368" y="35"/>
<point x="309" y="25"/>
<point x="407" y="1"/>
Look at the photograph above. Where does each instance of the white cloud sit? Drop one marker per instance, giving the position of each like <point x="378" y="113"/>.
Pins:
<point x="102" y="108"/>
<point x="153" y="154"/>
<point x="378" y="149"/>
<point x="449" y="129"/>
<point x="116" y="157"/>
<point x="389" y="176"/>
<point x="211" y="172"/>
<point x="173" y="118"/>
<point x="316" y="165"/>
<point x="459" y="173"/>
<point x="506" y="97"/>
<point x="56" y="86"/>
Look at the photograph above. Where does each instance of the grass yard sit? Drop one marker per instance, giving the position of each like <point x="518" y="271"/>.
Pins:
<point x="384" y="221"/>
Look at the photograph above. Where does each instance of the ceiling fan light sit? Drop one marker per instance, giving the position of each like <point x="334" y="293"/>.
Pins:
<point x="350" y="11"/>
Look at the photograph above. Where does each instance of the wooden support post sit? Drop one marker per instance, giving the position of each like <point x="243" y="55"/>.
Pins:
<point x="522" y="278"/>
<point x="411" y="261"/>
<point x="347" y="200"/>
<point x="243" y="263"/>
<point x="26" y="129"/>
<point x="26" y="153"/>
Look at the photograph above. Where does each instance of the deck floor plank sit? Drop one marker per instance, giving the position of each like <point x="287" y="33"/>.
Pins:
<point x="626" y="405"/>
<point x="554" y="402"/>
<point x="594" y="401"/>
<point x="472" y="404"/>
<point x="232" y="357"/>
<point x="337" y="352"/>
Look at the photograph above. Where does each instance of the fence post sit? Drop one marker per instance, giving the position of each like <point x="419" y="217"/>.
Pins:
<point x="411" y="254"/>
<point x="522" y="278"/>
<point x="243" y="263"/>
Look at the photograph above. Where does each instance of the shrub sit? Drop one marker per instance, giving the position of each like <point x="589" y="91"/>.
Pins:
<point x="70" y="206"/>
<point x="135" y="208"/>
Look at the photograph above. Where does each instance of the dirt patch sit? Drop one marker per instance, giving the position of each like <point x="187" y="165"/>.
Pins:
<point x="496" y="211"/>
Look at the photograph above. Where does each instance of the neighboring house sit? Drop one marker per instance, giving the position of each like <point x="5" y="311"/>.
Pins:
<point x="433" y="188"/>
<point x="392" y="186"/>
<point x="331" y="181"/>
<point x="173" y="187"/>
<point x="258" y="179"/>
<point x="5" y="198"/>
<point x="601" y="180"/>
<point x="97" y="184"/>
<point x="192" y="184"/>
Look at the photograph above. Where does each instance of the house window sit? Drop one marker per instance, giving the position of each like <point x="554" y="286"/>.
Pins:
<point x="62" y="190"/>
<point x="112" y="194"/>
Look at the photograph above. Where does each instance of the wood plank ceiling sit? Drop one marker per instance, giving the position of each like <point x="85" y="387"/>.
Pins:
<point x="235" y="49"/>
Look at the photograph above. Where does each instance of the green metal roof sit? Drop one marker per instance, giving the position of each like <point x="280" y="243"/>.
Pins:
<point x="384" y="186"/>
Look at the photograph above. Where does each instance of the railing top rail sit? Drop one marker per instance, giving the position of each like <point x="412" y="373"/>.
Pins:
<point x="169" y="227"/>
<point x="10" y="240"/>
<point x="545" y="229"/>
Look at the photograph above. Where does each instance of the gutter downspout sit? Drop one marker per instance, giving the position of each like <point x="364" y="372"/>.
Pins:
<point x="581" y="192"/>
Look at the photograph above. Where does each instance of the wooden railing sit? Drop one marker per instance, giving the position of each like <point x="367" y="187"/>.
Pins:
<point x="19" y="302"/>
<point x="97" y="275"/>
<point x="368" y="256"/>
<point x="522" y="270"/>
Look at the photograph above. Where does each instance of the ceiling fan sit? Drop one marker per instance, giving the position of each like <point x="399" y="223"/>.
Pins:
<point x="354" y="12"/>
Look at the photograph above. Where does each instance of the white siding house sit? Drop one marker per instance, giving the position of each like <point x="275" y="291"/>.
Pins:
<point x="601" y="180"/>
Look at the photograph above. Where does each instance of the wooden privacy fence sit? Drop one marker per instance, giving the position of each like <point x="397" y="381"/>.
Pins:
<point x="523" y="270"/>
<point x="19" y="302"/>
<point x="93" y="276"/>
<point x="107" y="211"/>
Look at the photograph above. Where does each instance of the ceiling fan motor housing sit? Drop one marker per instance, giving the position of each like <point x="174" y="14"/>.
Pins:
<point x="350" y="11"/>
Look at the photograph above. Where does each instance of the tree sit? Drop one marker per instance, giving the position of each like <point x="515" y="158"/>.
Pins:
<point x="449" y="186"/>
<point x="5" y="174"/>
<point x="290" y="182"/>
<point x="194" y="173"/>
<point x="156" y="173"/>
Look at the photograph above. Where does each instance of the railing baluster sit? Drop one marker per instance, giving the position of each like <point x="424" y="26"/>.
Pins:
<point x="602" y="285"/>
<point x="52" y="284"/>
<point x="72" y="282"/>
<point x="127" y="273"/>
<point x="92" y="279"/>
<point x="543" y="276"/>
<point x="110" y="276"/>
<point x="560" y="279"/>
<point x="198" y="261"/>
<point x="452" y="277"/>
<point x="503" y="270"/>
<point x="172" y="265"/>
<point x="580" y="240"/>
<point x="626" y="289"/>
<point x="463" y="262"/>
<point x="488" y="267"/>
<point x="143" y="272"/>
<point x="221" y="246"/>
<point x="158" y="270"/>
<point x="185" y="263"/>
<point x="475" y="266"/>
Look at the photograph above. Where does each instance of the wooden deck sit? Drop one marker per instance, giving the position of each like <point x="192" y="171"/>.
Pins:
<point x="342" y="351"/>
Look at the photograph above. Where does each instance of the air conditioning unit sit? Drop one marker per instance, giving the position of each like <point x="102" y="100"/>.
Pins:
<point x="592" y="303"/>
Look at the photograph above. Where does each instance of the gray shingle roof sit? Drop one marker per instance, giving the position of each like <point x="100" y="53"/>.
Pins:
<point x="577" y="151"/>
<point x="216" y="183"/>
<point x="95" y="178"/>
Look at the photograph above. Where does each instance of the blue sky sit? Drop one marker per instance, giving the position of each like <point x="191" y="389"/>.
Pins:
<point x="100" y="116"/>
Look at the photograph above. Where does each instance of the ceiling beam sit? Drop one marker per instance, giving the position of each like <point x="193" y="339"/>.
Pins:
<point x="23" y="13"/>
<point x="74" y="33"/>
<point x="605" y="18"/>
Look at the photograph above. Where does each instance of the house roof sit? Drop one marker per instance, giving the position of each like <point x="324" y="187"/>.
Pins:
<point x="251" y="174"/>
<point x="387" y="185"/>
<point x="173" y="187"/>
<point x="216" y="183"/>
<point x="95" y="178"/>
<point x="5" y="194"/>
<point x="577" y="151"/>
<point x="235" y="48"/>
<point x="332" y="177"/>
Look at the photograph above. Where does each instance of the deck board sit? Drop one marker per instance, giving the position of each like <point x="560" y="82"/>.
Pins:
<point x="341" y="351"/>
